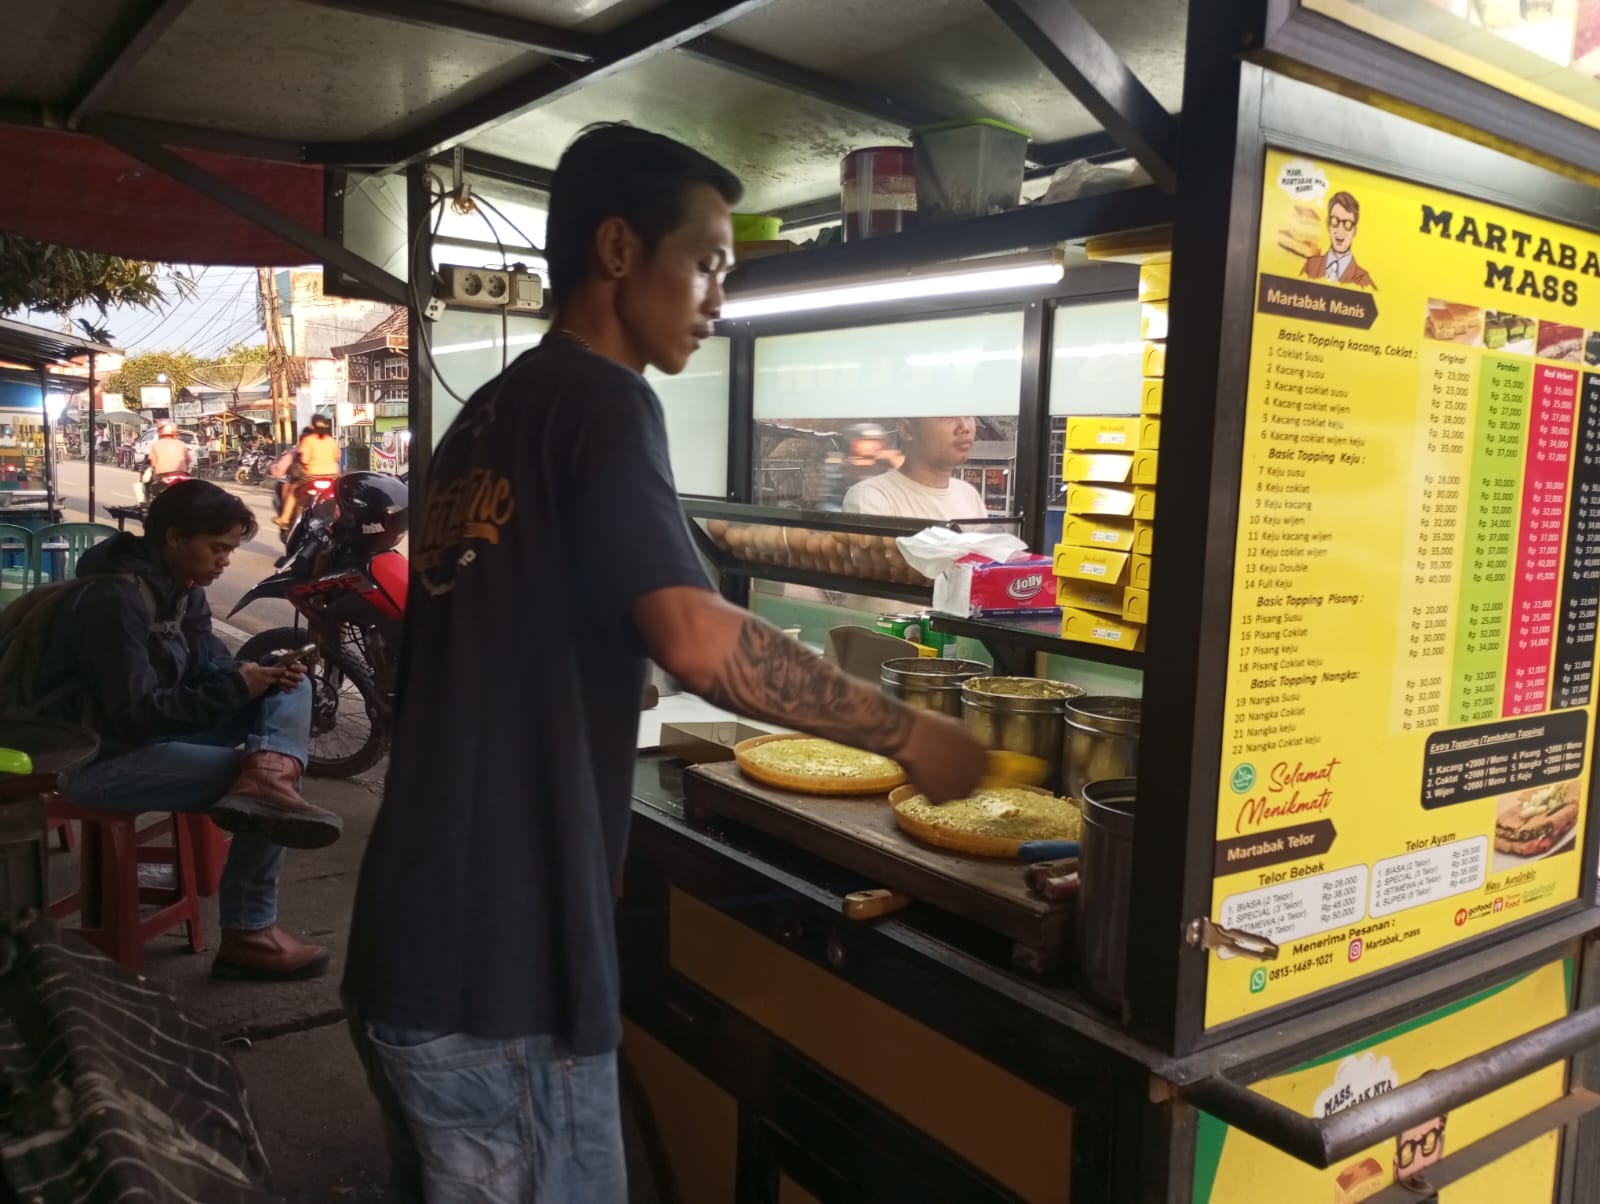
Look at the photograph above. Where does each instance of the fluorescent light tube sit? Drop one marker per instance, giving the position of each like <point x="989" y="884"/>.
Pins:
<point x="942" y="281"/>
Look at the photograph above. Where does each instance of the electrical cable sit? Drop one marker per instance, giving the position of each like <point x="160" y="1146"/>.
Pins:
<point x="515" y="229"/>
<point x="411" y="284"/>
<point x="505" y="266"/>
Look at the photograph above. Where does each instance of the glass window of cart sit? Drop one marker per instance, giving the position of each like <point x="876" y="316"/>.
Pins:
<point x="914" y="419"/>
<point x="1095" y="369"/>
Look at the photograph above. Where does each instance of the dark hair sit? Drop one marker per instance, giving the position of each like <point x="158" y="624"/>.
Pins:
<point x="1346" y="202"/>
<point x="621" y="171"/>
<point x="196" y="508"/>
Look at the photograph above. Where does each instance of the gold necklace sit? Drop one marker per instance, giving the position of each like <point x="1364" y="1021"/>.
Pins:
<point x="564" y="333"/>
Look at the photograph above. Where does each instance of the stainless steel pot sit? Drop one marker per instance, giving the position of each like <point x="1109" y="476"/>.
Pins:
<point x="1023" y="714"/>
<point x="1105" y="886"/>
<point x="930" y="682"/>
<point x="1102" y="740"/>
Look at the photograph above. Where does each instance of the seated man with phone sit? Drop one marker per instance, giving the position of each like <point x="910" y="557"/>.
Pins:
<point x="127" y="649"/>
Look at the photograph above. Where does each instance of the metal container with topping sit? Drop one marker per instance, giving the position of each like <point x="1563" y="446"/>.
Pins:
<point x="930" y="682"/>
<point x="1023" y="714"/>
<point x="1102" y="740"/>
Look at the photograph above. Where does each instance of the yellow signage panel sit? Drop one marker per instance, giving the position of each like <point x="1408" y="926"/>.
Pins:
<point x="1546" y="52"/>
<point x="1406" y="739"/>
<point x="1234" y="1168"/>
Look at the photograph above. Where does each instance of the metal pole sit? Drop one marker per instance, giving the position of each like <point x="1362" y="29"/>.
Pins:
<point x="49" y="458"/>
<point x="91" y="433"/>
<point x="419" y="269"/>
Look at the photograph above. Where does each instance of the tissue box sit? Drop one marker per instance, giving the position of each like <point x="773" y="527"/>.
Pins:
<point x="1018" y="587"/>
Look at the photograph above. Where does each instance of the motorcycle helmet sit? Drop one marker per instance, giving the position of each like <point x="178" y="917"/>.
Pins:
<point x="373" y="511"/>
<point x="167" y="430"/>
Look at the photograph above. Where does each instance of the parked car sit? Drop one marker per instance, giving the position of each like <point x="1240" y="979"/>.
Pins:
<point x="141" y="447"/>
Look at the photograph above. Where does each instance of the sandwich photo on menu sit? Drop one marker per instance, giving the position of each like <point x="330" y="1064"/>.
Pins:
<point x="1302" y="235"/>
<point x="1450" y="322"/>
<point x="1531" y="823"/>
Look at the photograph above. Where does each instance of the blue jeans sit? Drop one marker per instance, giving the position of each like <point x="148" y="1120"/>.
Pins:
<point x="191" y="773"/>
<point x="478" y="1120"/>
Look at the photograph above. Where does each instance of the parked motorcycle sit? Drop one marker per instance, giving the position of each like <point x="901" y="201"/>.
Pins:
<point x="347" y="583"/>
<point x="252" y="467"/>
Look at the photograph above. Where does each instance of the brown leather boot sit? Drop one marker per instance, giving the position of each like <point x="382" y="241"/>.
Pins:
<point x="267" y="955"/>
<point x="265" y="798"/>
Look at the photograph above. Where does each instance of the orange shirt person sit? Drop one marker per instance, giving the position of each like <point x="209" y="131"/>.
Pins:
<point x="318" y="452"/>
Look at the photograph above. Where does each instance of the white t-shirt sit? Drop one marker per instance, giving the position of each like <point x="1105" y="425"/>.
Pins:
<point x="895" y="495"/>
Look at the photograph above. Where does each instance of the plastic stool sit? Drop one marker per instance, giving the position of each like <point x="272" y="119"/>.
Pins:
<point x="109" y="898"/>
<point x="211" y="846"/>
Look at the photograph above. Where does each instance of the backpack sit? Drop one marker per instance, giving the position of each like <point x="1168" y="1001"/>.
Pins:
<point x="25" y="634"/>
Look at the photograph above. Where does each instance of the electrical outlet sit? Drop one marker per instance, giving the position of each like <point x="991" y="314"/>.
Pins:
<point x="491" y="288"/>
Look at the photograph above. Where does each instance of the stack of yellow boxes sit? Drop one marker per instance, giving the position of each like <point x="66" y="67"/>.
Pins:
<point x="1102" y="564"/>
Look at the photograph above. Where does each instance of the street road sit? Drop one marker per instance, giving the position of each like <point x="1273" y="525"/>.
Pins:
<point x="254" y="560"/>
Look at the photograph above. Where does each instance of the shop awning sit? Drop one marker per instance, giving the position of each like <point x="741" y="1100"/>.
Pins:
<point x="79" y="192"/>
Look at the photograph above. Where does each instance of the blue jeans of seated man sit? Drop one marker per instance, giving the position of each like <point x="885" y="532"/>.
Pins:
<point x="191" y="773"/>
<point x="479" y="1120"/>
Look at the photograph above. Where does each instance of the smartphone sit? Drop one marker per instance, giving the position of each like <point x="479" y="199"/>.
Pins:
<point x="279" y="659"/>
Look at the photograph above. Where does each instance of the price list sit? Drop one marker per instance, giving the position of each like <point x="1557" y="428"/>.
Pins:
<point x="1499" y="429"/>
<point x="1400" y="883"/>
<point x="1434" y="513"/>
<point x="1291" y="911"/>
<point x="1580" y="601"/>
<point x="1530" y="638"/>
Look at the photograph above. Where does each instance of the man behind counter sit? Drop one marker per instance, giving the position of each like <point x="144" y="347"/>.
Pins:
<point x="483" y="975"/>
<point x="925" y="485"/>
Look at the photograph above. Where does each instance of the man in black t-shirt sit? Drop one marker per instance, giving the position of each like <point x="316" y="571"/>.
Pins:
<point x="552" y="557"/>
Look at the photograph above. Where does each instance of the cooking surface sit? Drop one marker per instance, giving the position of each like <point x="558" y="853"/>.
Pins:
<point x="861" y="835"/>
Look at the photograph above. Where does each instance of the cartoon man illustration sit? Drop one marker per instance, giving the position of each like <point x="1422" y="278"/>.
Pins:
<point x="1337" y="265"/>
<point x="1416" y="1149"/>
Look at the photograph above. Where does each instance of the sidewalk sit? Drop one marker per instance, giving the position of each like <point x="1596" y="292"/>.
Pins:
<point x="306" y="1088"/>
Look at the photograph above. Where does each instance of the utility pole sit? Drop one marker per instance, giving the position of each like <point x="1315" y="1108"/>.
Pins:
<point x="277" y="356"/>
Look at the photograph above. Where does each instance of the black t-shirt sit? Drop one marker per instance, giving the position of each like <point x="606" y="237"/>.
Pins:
<point x="486" y="900"/>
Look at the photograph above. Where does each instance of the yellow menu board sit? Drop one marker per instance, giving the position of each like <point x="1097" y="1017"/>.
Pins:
<point x="1234" y="1168"/>
<point x="1416" y="585"/>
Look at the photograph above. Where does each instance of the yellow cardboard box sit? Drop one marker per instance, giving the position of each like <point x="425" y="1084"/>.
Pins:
<point x="1144" y="538"/>
<point x="1094" y="628"/>
<point x="1102" y="434"/>
<point x="1102" y="468"/>
<point x="1149" y="432"/>
<point x="1091" y="564"/>
<point x="1155" y="282"/>
<point x="1145" y="464"/>
<point x="1135" y="605"/>
<point x="1085" y="595"/>
<point x="1116" y="534"/>
<point x="1138" y="572"/>
<point x="1155" y="359"/>
<point x="1150" y="399"/>
<point x="1100" y="500"/>
<point x="1153" y="320"/>
<point x="1144" y="503"/>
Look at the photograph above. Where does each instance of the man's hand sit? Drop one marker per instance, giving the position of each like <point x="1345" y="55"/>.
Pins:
<point x="258" y="679"/>
<point x="294" y="672"/>
<point x="941" y="759"/>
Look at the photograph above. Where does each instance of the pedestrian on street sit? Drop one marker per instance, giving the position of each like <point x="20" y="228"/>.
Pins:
<point x="483" y="978"/>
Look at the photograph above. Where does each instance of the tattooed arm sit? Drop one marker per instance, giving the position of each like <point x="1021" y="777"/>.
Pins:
<point x="743" y="664"/>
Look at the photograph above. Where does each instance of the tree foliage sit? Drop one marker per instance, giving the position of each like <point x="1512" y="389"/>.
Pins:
<point x="39" y="276"/>
<point x="138" y="371"/>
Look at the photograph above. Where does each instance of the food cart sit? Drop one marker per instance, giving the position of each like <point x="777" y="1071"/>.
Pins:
<point x="1361" y="895"/>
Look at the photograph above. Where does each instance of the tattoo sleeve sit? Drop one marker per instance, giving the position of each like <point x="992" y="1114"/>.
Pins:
<point x="771" y="677"/>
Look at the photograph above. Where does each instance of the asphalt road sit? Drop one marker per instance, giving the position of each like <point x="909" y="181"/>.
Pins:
<point x="254" y="560"/>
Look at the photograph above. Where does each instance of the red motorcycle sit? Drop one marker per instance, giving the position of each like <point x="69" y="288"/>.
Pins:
<point x="347" y="584"/>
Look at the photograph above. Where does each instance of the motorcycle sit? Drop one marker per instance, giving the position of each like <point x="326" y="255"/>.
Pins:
<point x="347" y="583"/>
<point x="309" y="493"/>
<point x="252" y="467"/>
<point x="161" y="483"/>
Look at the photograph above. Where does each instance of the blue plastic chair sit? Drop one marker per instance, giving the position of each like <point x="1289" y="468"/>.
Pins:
<point x="56" y="549"/>
<point x="16" y="562"/>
